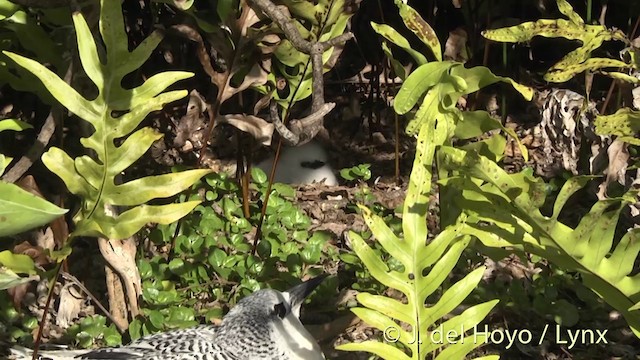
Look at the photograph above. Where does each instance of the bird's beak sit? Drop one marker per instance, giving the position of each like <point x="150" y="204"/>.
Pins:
<point x="298" y="293"/>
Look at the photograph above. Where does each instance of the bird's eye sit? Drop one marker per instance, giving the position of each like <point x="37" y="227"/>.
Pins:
<point x="280" y="310"/>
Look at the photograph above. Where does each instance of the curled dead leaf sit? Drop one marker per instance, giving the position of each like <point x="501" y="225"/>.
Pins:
<point x="617" y="169"/>
<point x="259" y="128"/>
<point x="71" y="301"/>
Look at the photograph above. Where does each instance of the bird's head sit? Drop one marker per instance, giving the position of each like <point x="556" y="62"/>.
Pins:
<point x="275" y="314"/>
<point x="269" y="303"/>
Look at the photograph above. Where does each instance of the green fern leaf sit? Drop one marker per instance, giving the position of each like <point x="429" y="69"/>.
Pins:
<point x="506" y="212"/>
<point x="577" y="61"/>
<point x="410" y="321"/>
<point x="94" y="179"/>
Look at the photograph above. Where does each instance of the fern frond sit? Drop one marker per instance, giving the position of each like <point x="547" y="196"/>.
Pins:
<point x="94" y="179"/>
<point x="508" y="205"/>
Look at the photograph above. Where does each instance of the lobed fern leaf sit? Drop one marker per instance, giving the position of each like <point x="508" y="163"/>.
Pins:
<point x="94" y="179"/>
<point x="504" y="210"/>
<point x="577" y="61"/>
<point x="425" y="267"/>
<point x="435" y="88"/>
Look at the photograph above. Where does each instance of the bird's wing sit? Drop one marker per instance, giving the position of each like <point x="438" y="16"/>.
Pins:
<point x="195" y="343"/>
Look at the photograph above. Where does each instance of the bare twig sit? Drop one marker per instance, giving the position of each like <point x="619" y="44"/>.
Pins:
<point x="47" y="305"/>
<point x="311" y="124"/>
<point x="315" y="51"/>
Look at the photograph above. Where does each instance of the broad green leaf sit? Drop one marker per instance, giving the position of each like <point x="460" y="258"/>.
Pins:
<point x="151" y="187"/>
<point x="413" y="225"/>
<point x="130" y="222"/>
<point x="550" y="28"/>
<point x="469" y="320"/>
<point x="623" y="77"/>
<point x="60" y="90"/>
<point x="136" y="144"/>
<point x="398" y="69"/>
<point x="138" y="56"/>
<point x="62" y="165"/>
<point x="567" y="10"/>
<point x="396" y="247"/>
<point x="427" y="115"/>
<point x="425" y="265"/>
<point x="476" y="123"/>
<point x="32" y="36"/>
<point x="384" y="305"/>
<point x="396" y="38"/>
<point x="568" y="189"/>
<point x="7" y="8"/>
<point x="21" y="211"/>
<point x="88" y="53"/>
<point x="59" y="255"/>
<point x="419" y="82"/>
<point x="478" y="77"/>
<point x="375" y="265"/>
<point x="385" y="351"/>
<point x="149" y="91"/>
<point x="459" y="290"/>
<point x="17" y="263"/>
<point x="4" y="162"/>
<point x="9" y="279"/>
<point x="13" y="124"/>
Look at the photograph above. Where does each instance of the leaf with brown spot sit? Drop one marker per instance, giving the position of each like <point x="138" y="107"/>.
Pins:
<point x="421" y="28"/>
<point x="578" y="60"/>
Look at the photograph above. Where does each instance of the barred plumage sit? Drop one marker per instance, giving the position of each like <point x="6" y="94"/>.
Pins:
<point x="262" y="326"/>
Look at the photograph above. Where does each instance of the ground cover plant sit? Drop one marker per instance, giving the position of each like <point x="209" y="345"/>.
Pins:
<point x="487" y="205"/>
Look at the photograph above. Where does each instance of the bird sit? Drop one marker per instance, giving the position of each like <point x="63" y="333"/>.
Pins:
<point x="303" y="164"/>
<point x="262" y="326"/>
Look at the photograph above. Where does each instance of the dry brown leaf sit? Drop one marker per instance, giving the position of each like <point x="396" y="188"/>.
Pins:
<point x="17" y="294"/>
<point x="256" y="76"/>
<point x="28" y="183"/>
<point x="456" y="46"/>
<point x="59" y="231"/>
<point x="565" y="126"/>
<point x="71" y="301"/>
<point x="37" y="253"/>
<point x="259" y="128"/>
<point x="617" y="169"/>
<point x="189" y="129"/>
<point x="263" y="102"/>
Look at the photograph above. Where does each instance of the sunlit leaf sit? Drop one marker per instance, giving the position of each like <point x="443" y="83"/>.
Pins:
<point x="21" y="211"/>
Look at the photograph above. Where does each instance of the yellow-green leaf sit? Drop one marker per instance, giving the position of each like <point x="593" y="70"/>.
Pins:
<point x="21" y="211"/>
